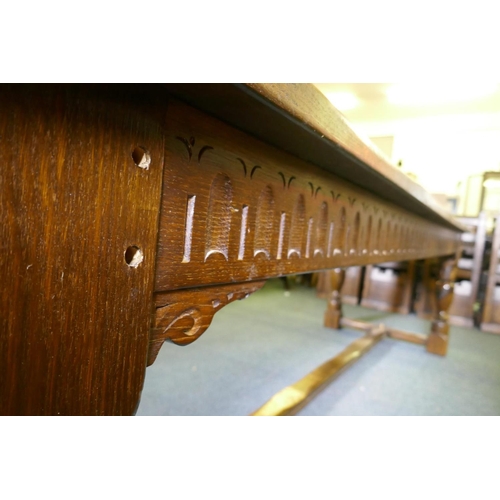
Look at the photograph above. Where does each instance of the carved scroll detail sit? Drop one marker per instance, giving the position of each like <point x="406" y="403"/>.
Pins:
<point x="182" y="316"/>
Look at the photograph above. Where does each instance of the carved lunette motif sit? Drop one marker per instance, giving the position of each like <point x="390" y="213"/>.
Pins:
<point x="182" y="316"/>
<point x="246" y="211"/>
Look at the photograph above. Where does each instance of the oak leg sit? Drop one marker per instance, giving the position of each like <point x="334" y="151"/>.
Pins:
<point x="333" y="312"/>
<point x="437" y="342"/>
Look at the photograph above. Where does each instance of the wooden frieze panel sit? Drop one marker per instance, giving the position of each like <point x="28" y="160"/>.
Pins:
<point x="235" y="209"/>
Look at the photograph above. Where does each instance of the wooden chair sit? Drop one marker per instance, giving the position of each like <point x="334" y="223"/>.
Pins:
<point x="491" y="308"/>
<point x="389" y="287"/>
<point x="469" y="270"/>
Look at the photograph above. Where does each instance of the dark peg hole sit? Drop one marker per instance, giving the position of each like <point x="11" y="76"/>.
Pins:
<point x="133" y="256"/>
<point x="141" y="157"/>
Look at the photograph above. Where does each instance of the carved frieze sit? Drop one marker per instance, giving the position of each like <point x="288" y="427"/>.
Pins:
<point x="235" y="209"/>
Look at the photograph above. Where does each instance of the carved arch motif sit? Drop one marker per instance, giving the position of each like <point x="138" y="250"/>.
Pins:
<point x="340" y="233"/>
<point x="321" y="230"/>
<point x="219" y="217"/>
<point x="354" y="234"/>
<point x="264" y="223"/>
<point x="297" y="228"/>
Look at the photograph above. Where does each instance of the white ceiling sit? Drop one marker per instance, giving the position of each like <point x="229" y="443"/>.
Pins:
<point x="440" y="144"/>
<point x="374" y="105"/>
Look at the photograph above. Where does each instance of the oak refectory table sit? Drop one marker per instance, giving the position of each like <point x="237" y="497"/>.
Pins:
<point x="130" y="214"/>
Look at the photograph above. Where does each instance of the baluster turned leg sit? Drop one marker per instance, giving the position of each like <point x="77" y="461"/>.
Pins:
<point x="437" y="342"/>
<point x="334" y="309"/>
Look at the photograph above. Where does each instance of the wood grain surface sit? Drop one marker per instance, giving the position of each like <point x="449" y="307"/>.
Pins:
<point x="75" y="317"/>
<point x="299" y="119"/>
<point x="490" y="321"/>
<point x="182" y="316"/>
<point x="121" y="209"/>
<point x="236" y="209"/>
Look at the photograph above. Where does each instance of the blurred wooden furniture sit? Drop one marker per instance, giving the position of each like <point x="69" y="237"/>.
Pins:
<point x="351" y="289"/>
<point x="469" y="270"/>
<point x="131" y="214"/>
<point x="491" y="310"/>
<point x="423" y="303"/>
<point x="389" y="287"/>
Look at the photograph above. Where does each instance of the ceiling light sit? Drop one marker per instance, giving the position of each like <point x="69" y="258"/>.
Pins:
<point x="343" y="100"/>
<point x="440" y="93"/>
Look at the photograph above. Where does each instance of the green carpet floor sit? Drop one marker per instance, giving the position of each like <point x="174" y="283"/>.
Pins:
<point x="256" y="347"/>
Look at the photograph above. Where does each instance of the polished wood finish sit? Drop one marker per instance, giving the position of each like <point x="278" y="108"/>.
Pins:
<point x="424" y="304"/>
<point x="351" y="289"/>
<point x="437" y="342"/>
<point x="299" y="119"/>
<point x="333" y="313"/>
<point x="293" y="398"/>
<point x="129" y="217"/>
<point x="74" y="316"/>
<point x="469" y="271"/>
<point x="414" y="338"/>
<point x="356" y="324"/>
<point x="468" y="276"/>
<point x="491" y="310"/>
<point x="182" y="316"/>
<point x="234" y="209"/>
<point x="389" y="288"/>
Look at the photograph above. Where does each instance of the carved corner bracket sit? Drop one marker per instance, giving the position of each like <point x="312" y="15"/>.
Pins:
<point x="182" y="316"/>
